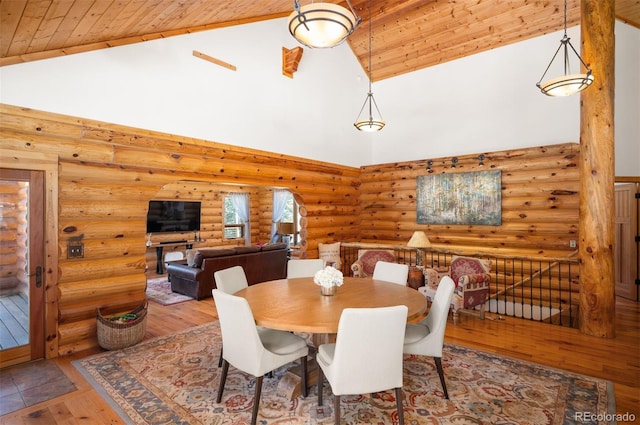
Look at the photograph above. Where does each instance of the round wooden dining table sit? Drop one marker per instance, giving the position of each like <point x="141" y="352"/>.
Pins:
<point x="297" y="305"/>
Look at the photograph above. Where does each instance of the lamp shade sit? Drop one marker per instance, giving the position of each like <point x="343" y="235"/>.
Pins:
<point x="566" y="85"/>
<point x="284" y="228"/>
<point x="322" y="24"/>
<point x="369" y="125"/>
<point x="419" y="240"/>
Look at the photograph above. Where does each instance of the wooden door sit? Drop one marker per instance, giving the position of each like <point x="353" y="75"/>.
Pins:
<point x="22" y="276"/>
<point x="626" y="254"/>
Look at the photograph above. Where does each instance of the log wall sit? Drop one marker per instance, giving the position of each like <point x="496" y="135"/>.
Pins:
<point x="107" y="173"/>
<point x="540" y="202"/>
<point x="13" y="237"/>
<point x="211" y="196"/>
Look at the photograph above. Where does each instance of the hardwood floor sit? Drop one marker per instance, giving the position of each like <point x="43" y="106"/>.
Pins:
<point x="617" y="359"/>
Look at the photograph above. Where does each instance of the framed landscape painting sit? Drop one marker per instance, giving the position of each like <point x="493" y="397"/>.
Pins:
<point x="460" y="198"/>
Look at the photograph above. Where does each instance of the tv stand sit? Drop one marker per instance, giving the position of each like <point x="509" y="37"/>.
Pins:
<point x="160" y="251"/>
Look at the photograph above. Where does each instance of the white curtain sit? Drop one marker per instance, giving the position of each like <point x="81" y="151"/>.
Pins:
<point x="280" y="197"/>
<point x="240" y="203"/>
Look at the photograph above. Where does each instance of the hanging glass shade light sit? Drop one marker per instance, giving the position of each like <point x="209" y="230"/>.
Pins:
<point x="371" y="120"/>
<point x="568" y="83"/>
<point x="322" y="24"/>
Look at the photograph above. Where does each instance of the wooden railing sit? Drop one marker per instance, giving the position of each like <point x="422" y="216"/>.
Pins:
<point x="536" y="288"/>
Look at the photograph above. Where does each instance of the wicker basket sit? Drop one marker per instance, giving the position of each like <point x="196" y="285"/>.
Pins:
<point x="114" y="336"/>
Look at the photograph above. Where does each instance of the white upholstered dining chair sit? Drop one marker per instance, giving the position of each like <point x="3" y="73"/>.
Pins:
<point x="254" y="350"/>
<point x="391" y="272"/>
<point x="427" y="337"/>
<point x="230" y="281"/>
<point x="367" y="355"/>
<point x="304" y="267"/>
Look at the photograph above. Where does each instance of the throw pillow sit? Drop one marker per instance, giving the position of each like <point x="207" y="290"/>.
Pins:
<point x="330" y="252"/>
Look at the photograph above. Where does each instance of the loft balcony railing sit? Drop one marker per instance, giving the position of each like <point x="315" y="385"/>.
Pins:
<point x="543" y="289"/>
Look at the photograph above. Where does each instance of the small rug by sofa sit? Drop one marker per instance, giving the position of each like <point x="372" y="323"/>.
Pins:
<point x="173" y="379"/>
<point x="159" y="290"/>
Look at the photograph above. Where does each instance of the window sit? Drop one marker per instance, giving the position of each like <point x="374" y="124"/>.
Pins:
<point x="290" y="215"/>
<point x="233" y="223"/>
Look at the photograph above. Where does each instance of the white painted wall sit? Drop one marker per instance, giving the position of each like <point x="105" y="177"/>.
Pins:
<point x="481" y="103"/>
<point x="489" y="101"/>
<point x="627" y="104"/>
<point x="159" y="85"/>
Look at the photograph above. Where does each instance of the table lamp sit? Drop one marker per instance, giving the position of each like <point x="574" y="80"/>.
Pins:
<point x="419" y="241"/>
<point x="284" y="228"/>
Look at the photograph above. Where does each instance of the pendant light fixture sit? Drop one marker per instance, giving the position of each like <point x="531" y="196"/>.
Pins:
<point x="322" y="24"/>
<point x="372" y="122"/>
<point x="568" y="83"/>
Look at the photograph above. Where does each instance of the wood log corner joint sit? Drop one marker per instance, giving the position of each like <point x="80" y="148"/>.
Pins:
<point x="290" y="60"/>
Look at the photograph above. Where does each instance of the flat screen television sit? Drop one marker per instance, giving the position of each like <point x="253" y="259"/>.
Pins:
<point x="173" y="216"/>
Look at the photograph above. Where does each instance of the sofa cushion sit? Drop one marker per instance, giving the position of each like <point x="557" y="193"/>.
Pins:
<point x="201" y="254"/>
<point x="272" y="246"/>
<point x="246" y="249"/>
<point x="330" y="252"/>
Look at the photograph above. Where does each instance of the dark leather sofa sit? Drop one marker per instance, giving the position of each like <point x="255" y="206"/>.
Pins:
<point x="260" y="263"/>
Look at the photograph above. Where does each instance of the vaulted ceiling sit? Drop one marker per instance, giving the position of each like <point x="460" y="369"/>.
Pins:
<point x="407" y="34"/>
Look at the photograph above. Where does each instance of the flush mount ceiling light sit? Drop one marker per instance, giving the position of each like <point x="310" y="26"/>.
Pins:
<point x="374" y="121"/>
<point x="568" y="83"/>
<point x="322" y="24"/>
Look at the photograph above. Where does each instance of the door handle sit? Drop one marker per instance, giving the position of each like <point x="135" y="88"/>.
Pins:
<point x="38" y="276"/>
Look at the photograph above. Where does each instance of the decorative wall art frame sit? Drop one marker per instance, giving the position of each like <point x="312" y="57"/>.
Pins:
<point x="460" y="198"/>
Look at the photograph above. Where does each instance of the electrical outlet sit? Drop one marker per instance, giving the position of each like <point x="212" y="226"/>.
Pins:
<point x="572" y="243"/>
<point x="75" y="250"/>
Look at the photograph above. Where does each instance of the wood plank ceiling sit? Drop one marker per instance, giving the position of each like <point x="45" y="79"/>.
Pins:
<point x="408" y="35"/>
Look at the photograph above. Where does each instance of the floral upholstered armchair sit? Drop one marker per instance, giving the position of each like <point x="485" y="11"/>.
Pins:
<point x="472" y="279"/>
<point x="367" y="259"/>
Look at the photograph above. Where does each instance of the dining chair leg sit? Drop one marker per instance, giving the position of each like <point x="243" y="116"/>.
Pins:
<point x="220" y="359"/>
<point x="441" y="374"/>
<point x="256" y="400"/>
<point x="305" y="389"/>
<point x="336" y="409"/>
<point x="223" y="378"/>
<point x="399" y="406"/>
<point x="320" y="379"/>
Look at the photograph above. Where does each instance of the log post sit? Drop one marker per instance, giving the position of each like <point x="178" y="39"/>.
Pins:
<point x="597" y="172"/>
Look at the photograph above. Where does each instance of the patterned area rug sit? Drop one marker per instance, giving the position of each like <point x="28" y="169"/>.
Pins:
<point x="173" y="380"/>
<point x="159" y="290"/>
